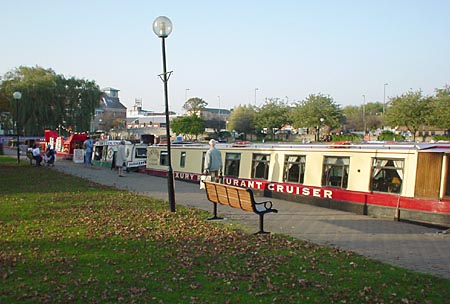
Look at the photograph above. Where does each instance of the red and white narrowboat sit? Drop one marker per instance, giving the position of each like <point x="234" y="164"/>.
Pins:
<point x="407" y="181"/>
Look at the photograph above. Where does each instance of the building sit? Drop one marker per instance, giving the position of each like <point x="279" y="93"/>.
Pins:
<point x="140" y="118"/>
<point x="215" y="118"/>
<point x="111" y="113"/>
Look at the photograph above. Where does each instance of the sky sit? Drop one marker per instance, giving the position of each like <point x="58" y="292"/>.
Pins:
<point x="232" y="53"/>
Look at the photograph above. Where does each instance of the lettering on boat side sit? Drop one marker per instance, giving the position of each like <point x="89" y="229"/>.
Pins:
<point x="187" y="176"/>
<point x="263" y="185"/>
<point x="281" y="188"/>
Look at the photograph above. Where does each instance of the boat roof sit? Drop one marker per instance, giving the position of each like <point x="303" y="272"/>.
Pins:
<point x="425" y="147"/>
<point x="404" y="146"/>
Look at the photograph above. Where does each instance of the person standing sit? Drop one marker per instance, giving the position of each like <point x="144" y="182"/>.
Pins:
<point x="121" y="157"/>
<point x="88" y="146"/>
<point x="213" y="162"/>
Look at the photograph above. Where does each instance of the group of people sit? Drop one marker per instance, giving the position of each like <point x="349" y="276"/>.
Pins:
<point x="212" y="165"/>
<point x="48" y="156"/>
<point x="120" y="157"/>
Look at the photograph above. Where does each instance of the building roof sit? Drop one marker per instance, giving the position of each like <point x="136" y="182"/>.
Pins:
<point x="217" y="110"/>
<point x="111" y="103"/>
<point x="148" y="119"/>
<point x="109" y="89"/>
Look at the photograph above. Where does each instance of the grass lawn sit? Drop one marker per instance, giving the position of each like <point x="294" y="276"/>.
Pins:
<point x="67" y="240"/>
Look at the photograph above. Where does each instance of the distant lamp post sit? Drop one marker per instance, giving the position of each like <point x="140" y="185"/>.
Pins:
<point x="185" y="94"/>
<point x="256" y="89"/>
<point x="162" y="27"/>
<point x="17" y="95"/>
<point x="364" y="114"/>
<point x="319" y="128"/>
<point x="220" y="117"/>
<point x="384" y="97"/>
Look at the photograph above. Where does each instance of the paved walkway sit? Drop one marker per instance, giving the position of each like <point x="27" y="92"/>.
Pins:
<point x="414" y="247"/>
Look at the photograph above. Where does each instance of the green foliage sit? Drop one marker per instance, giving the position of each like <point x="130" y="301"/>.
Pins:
<point x="388" y="135"/>
<point x="355" y="138"/>
<point x="49" y="100"/>
<point x="242" y="119"/>
<point x="441" y="137"/>
<point x="440" y="109"/>
<point x="354" y="116"/>
<point x="410" y="110"/>
<point x="188" y="125"/>
<point x="64" y="239"/>
<point x="308" y="113"/>
<point x="272" y="115"/>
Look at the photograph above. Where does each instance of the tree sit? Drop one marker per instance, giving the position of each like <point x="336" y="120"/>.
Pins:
<point x="353" y="118"/>
<point x="410" y="110"/>
<point x="440" y="109"/>
<point x="37" y="86"/>
<point x="194" y="105"/>
<point x="188" y="125"/>
<point x="373" y="116"/>
<point x="49" y="100"/>
<point x="373" y="112"/>
<point x="317" y="111"/>
<point x="242" y="119"/>
<point x="272" y="115"/>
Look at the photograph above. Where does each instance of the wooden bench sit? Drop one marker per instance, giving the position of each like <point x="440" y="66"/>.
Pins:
<point x="31" y="158"/>
<point x="240" y="198"/>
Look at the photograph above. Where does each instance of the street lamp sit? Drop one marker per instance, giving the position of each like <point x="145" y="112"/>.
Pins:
<point x="185" y="94"/>
<point x="256" y="89"/>
<point x="17" y="95"/>
<point x="364" y="115"/>
<point x="319" y="128"/>
<point x="384" y="97"/>
<point x="162" y="27"/>
<point x="220" y="126"/>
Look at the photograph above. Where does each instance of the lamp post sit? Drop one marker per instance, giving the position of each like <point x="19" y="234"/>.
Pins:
<point x="364" y="114"/>
<point x="185" y="94"/>
<point x="162" y="27"/>
<point x="384" y="97"/>
<point x="320" y="128"/>
<point x="256" y="89"/>
<point x="220" y="126"/>
<point x="17" y="95"/>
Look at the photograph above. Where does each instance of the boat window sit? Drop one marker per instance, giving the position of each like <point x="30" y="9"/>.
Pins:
<point x="163" y="158"/>
<point x="98" y="152"/>
<point x="141" y="152"/>
<point x="387" y="175"/>
<point x="203" y="162"/>
<point x="260" y="166"/>
<point x="335" y="171"/>
<point x="232" y="164"/>
<point x="182" y="159"/>
<point x="294" y="168"/>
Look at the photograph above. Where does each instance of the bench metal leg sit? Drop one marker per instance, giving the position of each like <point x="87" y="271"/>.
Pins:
<point x="215" y="217"/>
<point x="261" y="225"/>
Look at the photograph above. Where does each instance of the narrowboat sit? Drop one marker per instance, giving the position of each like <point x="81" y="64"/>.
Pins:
<point x="105" y="150"/>
<point x="405" y="181"/>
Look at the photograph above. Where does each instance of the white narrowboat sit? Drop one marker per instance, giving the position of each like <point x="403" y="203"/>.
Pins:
<point x="105" y="150"/>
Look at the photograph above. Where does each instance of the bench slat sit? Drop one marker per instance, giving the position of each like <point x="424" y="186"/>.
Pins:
<point x="243" y="200"/>
<point x="211" y="192"/>
<point x="222" y="196"/>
